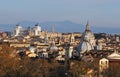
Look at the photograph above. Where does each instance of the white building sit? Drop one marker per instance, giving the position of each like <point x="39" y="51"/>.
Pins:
<point x="103" y="66"/>
<point x="36" y="30"/>
<point x="70" y="53"/>
<point x="72" y="39"/>
<point x="18" y="30"/>
<point x="99" y="46"/>
<point x="117" y="39"/>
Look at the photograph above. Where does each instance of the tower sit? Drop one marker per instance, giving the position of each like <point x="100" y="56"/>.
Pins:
<point x="67" y="62"/>
<point x="52" y="34"/>
<point x="52" y="29"/>
<point x="72" y="39"/>
<point x="46" y="37"/>
<point x="70" y="53"/>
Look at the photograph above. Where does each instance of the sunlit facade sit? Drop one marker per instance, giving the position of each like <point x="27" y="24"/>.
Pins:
<point x="18" y="30"/>
<point x="36" y="30"/>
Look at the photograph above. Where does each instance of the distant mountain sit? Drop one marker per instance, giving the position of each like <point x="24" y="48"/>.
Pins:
<point x="6" y="27"/>
<point x="63" y="26"/>
<point x="68" y="26"/>
<point x="27" y="23"/>
<point x="60" y="26"/>
<point x="112" y="30"/>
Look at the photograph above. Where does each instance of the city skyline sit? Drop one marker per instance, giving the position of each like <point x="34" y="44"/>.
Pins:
<point x="99" y="13"/>
<point x="59" y="38"/>
<point x="60" y="26"/>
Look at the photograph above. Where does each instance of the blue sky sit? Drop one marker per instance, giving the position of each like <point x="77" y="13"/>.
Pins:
<point x="98" y="12"/>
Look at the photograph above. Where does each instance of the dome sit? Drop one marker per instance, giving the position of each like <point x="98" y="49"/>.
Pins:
<point x="84" y="47"/>
<point x="87" y="41"/>
<point x="53" y="47"/>
<point x="88" y="34"/>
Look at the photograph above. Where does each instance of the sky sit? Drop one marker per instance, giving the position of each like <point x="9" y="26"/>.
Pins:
<point x="97" y="12"/>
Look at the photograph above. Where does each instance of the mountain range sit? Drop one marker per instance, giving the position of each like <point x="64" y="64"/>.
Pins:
<point x="60" y="26"/>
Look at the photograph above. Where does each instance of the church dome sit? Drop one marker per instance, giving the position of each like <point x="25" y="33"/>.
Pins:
<point x="87" y="41"/>
<point x="84" y="47"/>
<point x="53" y="47"/>
<point x="88" y="34"/>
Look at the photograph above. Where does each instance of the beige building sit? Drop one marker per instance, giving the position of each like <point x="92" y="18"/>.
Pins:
<point x="103" y="67"/>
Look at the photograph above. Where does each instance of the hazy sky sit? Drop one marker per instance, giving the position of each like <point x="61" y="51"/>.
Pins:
<point x="98" y="12"/>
